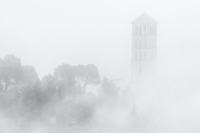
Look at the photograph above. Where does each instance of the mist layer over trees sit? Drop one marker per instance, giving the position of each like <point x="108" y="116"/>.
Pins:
<point x="74" y="99"/>
<point x="60" y="99"/>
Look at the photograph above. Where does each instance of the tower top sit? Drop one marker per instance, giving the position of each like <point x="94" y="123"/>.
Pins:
<point x="144" y="18"/>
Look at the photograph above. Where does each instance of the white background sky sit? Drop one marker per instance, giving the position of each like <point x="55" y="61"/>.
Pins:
<point x="47" y="33"/>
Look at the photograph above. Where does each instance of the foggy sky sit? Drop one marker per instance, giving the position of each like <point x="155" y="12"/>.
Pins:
<point x="47" y="33"/>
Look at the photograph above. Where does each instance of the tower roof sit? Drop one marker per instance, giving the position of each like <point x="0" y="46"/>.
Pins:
<point x="144" y="18"/>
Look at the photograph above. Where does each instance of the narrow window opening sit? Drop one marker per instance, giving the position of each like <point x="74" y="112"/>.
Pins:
<point x="143" y="29"/>
<point x="145" y="56"/>
<point x="135" y="44"/>
<point x="135" y="55"/>
<point x="136" y="30"/>
<point x="140" y="44"/>
<point x="147" y="30"/>
<point x="140" y="56"/>
<point x="140" y="30"/>
<point x="145" y="44"/>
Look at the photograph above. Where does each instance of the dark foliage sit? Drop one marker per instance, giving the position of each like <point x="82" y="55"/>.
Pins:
<point x="25" y="98"/>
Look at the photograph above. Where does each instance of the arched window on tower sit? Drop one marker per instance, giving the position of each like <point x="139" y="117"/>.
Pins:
<point x="136" y="30"/>
<point x="147" y="44"/>
<point x="143" y="43"/>
<point x="148" y="55"/>
<point x="140" y="30"/>
<point x="151" y="30"/>
<point x="137" y="44"/>
<point x="145" y="56"/>
<point x="143" y="30"/>
<point x="140" y="56"/>
<point x="147" y="30"/>
<point x="140" y="46"/>
<point x="150" y="44"/>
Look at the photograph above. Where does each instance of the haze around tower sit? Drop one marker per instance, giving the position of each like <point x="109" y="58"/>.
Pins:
<point x="45" y="34"/>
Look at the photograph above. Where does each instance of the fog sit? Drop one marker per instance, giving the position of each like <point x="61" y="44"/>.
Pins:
<point x="48" y="46"/>
<point x="78" y="29"/>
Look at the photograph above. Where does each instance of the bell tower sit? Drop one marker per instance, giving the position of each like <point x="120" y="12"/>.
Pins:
<point x="144" y="49"/>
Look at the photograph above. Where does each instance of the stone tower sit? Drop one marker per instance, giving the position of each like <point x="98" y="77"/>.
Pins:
<point x="144" y="47"/>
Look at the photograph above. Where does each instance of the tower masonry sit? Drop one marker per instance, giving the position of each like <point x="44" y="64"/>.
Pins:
<point x="144" y="50"/>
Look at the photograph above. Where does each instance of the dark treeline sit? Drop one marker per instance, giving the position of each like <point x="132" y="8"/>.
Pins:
<point x="61" y="97"/>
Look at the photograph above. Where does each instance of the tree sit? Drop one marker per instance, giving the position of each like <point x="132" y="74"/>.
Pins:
<point x="108" y="90"/>
<point x="10" y="70"/>
<point x="65" y="72"/>
<point x="49" y="84"/>
<point x="77" y="110"/>
<point x="29" y="75"/>
<point x="18" y="81"/>
<point x="33" y="100"/>
<point x="85" y="75"/>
